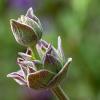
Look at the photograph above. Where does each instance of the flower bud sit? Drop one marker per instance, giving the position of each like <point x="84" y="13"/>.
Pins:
<point x="27" y="29"/>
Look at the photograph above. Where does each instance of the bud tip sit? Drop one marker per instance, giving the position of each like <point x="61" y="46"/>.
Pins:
<point x="69" y="59"/>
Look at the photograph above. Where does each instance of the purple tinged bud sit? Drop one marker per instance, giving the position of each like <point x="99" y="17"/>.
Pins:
<point x="18" y="77"/>
<point x="28" y="64"/>
<point x="25" y="56"/>
<point x="27" y="30"/>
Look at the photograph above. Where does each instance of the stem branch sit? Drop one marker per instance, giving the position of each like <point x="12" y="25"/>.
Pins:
<point x="60" y="93"/>
<point x="34" y="53"/>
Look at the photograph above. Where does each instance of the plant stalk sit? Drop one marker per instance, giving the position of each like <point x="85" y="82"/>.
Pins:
<point x="59" y="93"/>
<point x="34" y="52"/>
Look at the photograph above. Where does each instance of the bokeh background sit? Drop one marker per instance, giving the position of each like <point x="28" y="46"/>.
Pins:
<point x="78" y="24"/>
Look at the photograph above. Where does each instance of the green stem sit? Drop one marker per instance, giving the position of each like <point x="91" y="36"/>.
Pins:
<point x="59" y="93"/>
<point x="34" y="53"/>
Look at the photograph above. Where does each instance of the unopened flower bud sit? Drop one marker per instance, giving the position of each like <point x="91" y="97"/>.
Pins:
<point x="27" y="29"/>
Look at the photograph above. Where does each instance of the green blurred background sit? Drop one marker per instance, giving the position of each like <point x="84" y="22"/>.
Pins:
<point x="78" y="24"/>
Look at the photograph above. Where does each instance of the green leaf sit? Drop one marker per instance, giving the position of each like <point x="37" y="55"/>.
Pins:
<point x="51" y="63"/>
<point x="39" y="79"/>
<point x="38" y="64"/>
<point x="60" y="75"/>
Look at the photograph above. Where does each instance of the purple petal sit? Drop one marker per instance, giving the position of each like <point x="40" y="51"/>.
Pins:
<point x="44" y="43"/>
<point x="43" y="47"/>
<point x="49" y="49"/>
<point x="23" y="68"/>
<point x="31" y="15"/>
<point x="26" y="66"/>
<point x="18" y="77"/>
<point x="25" y="56"/>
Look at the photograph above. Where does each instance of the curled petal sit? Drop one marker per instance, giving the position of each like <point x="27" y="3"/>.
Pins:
<point x="44" y="43"/>
<point x="39" y="79"/>
<point x="52" y="51"/>
<point x="61" y="74"/>
<point x="18" y="77"/>
<point x="44" y="48"/>
<point x="25" y="56"/>
<point x="19" y="59"/>
<point x="23" y="68"/>
<point x="49" y="49"/>
<point x="28" y="64"/>
<point x="30" y="13"/>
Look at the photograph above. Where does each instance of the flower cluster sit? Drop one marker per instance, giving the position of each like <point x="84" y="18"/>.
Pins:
<point x="47" y="71"/>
